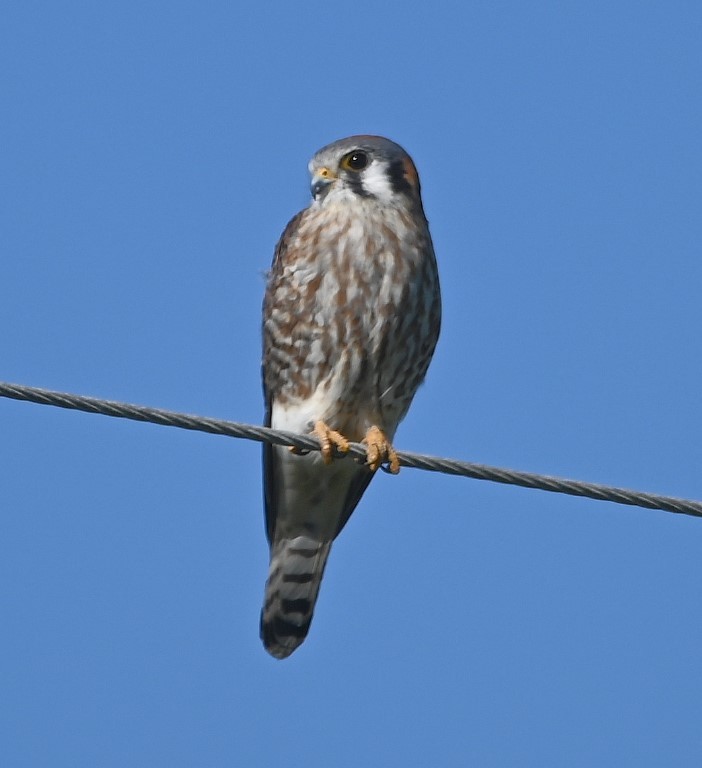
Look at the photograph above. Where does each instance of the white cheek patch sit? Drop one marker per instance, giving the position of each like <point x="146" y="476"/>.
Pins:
<point x="376" y="181"/>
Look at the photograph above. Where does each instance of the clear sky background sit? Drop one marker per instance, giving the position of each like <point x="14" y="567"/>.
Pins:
<point x="150" y="155"/>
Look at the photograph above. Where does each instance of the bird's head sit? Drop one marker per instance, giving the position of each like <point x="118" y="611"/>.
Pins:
<point x="365" y="166"/>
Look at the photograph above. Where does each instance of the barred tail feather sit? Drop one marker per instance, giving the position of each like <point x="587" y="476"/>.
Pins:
<point x="296" y="570"/>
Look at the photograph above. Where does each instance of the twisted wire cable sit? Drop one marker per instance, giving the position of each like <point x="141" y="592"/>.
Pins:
<point x="357" y="450"/>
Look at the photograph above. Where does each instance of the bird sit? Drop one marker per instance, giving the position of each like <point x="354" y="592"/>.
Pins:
<point x="351" y="318"/>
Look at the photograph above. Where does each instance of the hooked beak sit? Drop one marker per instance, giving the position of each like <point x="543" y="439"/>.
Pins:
<point x="322" y="179"/>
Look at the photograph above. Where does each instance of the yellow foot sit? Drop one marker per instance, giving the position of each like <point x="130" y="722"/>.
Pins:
<point x="329" y="440"/>
<point x="379" y="450"/>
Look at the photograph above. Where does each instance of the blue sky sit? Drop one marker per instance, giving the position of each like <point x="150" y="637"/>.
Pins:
<point x="150" y="155"/>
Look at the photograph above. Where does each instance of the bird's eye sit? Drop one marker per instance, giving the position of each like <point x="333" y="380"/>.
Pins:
<point x="355" y="161"/>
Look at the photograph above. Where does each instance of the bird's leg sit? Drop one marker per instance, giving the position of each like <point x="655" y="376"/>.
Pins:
<point x="379" y="450"/>
<point x="329" y="439"/>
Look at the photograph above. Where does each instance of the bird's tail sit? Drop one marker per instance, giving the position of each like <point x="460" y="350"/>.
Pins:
<point x="296" y="570"/>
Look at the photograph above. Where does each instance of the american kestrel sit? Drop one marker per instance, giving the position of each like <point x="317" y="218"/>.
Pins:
<point x="351" y="317"/>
